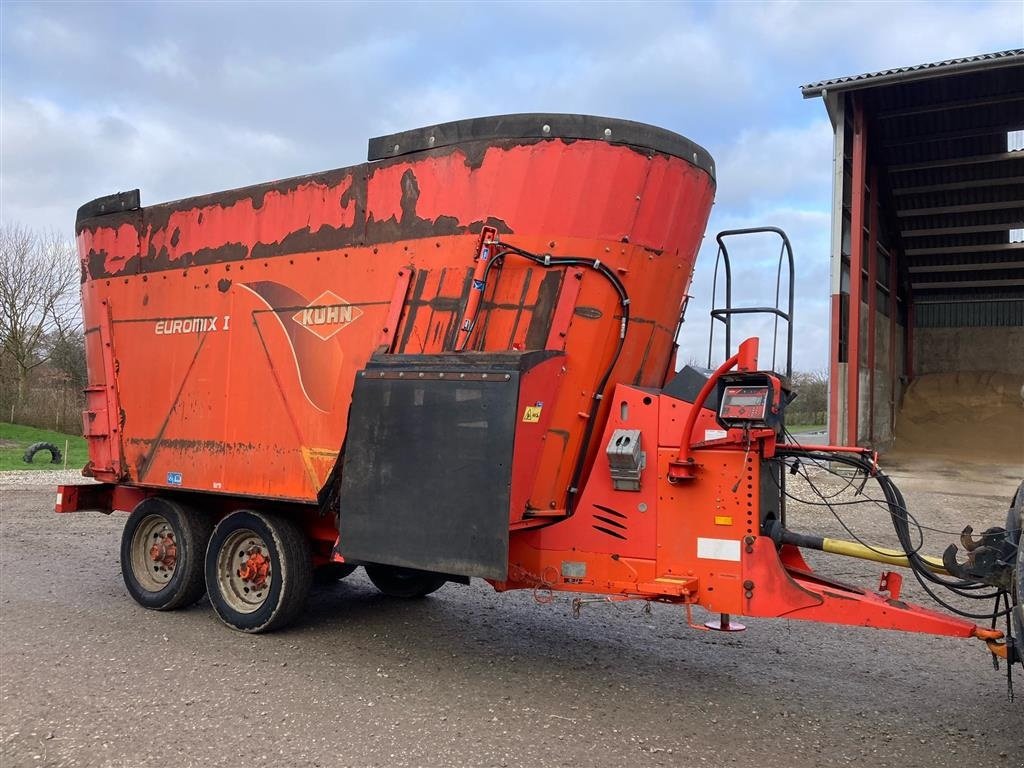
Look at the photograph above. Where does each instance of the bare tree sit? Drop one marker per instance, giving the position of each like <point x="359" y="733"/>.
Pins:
<point x="39" y="278"/>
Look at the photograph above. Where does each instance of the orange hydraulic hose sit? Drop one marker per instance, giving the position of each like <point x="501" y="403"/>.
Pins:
<point x="746" y="360"/>
<point x="477" y="292"/>
<point x="678" y="470"/>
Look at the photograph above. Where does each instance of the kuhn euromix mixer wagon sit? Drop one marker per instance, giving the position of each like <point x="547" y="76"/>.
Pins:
<point x="457" y="360"/>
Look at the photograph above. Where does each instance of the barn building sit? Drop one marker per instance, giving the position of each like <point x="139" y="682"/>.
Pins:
<point x="927" y="277"/>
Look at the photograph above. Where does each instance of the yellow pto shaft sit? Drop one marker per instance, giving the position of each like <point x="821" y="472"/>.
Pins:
<point x="878" y="554"/>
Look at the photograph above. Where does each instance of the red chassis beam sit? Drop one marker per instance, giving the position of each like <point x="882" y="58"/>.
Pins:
<point x="788" y="588"/>
<point x="97" y="497"/>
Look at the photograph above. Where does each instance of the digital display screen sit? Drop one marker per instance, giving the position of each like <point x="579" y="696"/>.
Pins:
<point x="745" y="399"/>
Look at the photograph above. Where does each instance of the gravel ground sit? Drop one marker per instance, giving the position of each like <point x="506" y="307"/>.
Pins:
<point x="41" y="478"/>
<point x="472" y="678"/>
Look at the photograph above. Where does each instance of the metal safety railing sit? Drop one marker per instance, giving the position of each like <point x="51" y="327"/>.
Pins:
<point x="724" y="315"/>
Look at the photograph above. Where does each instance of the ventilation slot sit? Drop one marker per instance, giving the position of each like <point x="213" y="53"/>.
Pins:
<point x="609" y="521"/>
<point x="610" y="532"/>
<point x="610" y="511"/>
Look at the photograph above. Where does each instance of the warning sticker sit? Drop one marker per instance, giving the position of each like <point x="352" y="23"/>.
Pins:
<point x="532" y="413"/>
<point x="718" y="549"/>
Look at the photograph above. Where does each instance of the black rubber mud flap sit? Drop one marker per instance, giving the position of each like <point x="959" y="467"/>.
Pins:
<point x="428" y="462"/>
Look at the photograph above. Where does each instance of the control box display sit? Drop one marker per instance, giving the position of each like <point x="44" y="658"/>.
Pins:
<point x="744" y="404"/>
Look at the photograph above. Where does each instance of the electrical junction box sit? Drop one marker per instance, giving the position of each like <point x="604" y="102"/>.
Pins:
<point x="626" y="460"/>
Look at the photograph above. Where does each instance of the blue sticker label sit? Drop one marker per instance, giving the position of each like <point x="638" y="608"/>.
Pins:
<point x="174" y="478"/>
<point x="478" y="285"/>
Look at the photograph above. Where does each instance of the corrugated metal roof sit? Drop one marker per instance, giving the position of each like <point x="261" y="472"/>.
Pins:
<point x="916" y="72"/>
<point x="960" y="313"/>
<point x="944" y="140"/>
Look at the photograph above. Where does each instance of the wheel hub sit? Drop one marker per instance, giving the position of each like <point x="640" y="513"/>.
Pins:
<point x="245" y="571"/>
<point x="255" y="569"/>
<point x="154" y="553"/>
<point x="164" y="551"/>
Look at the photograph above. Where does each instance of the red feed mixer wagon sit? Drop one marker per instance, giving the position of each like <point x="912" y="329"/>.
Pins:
<point x="457" y="360"/>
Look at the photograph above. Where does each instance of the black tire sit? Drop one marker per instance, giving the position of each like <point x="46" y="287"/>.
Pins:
<point x="159" y="522"/>
<point x="55" y="455"/>
<point x="406" y="583"/>
<point x="258" y="606"/>
<point x="330" y="573"/>
<point x="1015" y="522"/>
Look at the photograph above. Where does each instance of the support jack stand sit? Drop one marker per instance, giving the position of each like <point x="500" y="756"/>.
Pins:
<point x="723" y="624"/>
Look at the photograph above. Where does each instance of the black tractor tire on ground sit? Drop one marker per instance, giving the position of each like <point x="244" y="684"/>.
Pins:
<point x="55" y="455"/>
<point x="266" y="605"/>
<point x="331" y="573"/>
<point x="1015" y="522"/>
<point x="157" y="522"/>
<point x="406" y="583"/>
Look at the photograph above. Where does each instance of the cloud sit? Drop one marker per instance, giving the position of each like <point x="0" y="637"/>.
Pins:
<point x="163" y="58"/>
<point x="780" y="164"/>
<point x="55" y="159"/>
<point x="44" y="36"/>
<point x="850" y="38"/>
<point x="182" y="99"/>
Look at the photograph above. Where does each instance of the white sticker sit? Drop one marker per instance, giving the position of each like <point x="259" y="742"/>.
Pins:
<point x="60" y="498"/>
<point x="718" y="549"/>
<point x="714" y="434"/>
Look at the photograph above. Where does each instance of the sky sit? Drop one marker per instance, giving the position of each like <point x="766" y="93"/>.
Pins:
<point x="186" y="98"/>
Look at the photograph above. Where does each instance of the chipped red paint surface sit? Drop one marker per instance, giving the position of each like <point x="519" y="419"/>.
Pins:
<point x="118" y="243"/>
<point x="269" y="220"/>
<point x="313" y="206"/>
<point x="595" y="191"/>
<point x="586" y="194"/>
<point x="222" y="335"/>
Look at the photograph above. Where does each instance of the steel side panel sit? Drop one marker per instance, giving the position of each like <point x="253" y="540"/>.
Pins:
<point x="607" y="521"/>
<point x="538" y="393"/>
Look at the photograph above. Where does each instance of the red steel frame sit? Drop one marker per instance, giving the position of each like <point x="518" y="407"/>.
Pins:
<point x="910" y="334"/>
<point x="688" y="497"/>
<point x="893" y="307"/>
<point x="835" y="323"/>
<point x="857" y="218"/>
<point x="872" y="257"/>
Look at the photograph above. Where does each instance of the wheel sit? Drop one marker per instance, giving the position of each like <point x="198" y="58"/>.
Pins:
<point x="1015" y="522"/>
<point x="32" y="450"/>
<point x="329" y="573"/>
<point x="403" y="582"/>
<point x="162" y="548"/>
<point x="258" y="571"/>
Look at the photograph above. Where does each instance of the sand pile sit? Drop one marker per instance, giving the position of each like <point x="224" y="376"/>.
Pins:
<point x="972" y="414"/>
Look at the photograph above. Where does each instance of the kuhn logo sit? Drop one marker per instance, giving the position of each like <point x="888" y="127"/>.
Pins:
<point x="327" y="314"/>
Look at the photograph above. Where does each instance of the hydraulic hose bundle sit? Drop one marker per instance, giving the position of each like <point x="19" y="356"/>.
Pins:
<point x="1001" y="589"/>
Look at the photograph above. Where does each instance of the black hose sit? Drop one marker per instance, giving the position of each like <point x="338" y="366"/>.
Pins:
<point x="901" y="518"/>
<point x="547" y="261"/>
